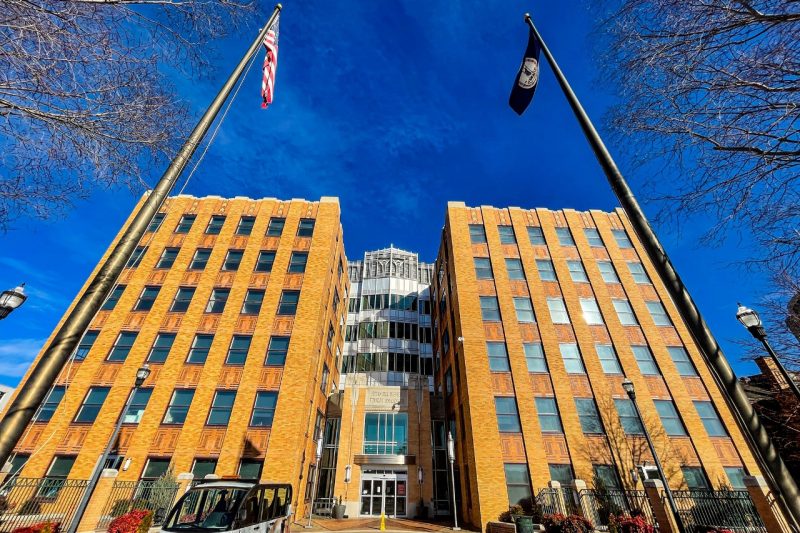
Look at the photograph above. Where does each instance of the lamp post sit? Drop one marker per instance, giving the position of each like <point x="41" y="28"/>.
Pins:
<point x="750" y="320"/>
<point x="451" y="456"/>
<point x="11" y="299"/>
<point x="314" y="482"/>
<point x="141" y="375"/>
<point x="627" y="384"/>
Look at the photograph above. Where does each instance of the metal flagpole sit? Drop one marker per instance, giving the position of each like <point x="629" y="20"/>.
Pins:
<point x="683" y="301"/>
<point x="47" y="368"/>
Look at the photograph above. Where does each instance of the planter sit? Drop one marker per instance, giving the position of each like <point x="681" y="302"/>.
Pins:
<point x="422" y="511"/>
<point x="524" y="523"/>
<point x="338" y="511"/>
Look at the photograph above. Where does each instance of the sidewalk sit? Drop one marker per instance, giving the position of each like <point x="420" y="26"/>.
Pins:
<point x="371" y="524"/>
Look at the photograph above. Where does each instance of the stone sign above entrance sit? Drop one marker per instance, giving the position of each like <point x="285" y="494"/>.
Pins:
<point x="386" y="399"/>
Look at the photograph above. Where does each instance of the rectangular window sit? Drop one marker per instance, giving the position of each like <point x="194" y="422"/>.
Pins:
<point x="524" y="309"/>
<point x="572" y="358"/>
<point x="297" y="263"/>
<point x="507" y="235"/>
<point x="549" y="420"/>
<point x="155" y="222"/>
<point x="477" y="235"/>
<point x="608" y="358"/>
<point x="507" y="415"/>
<point x="56" y="476"/>
<point x="514" y="268"/>
<point x="536" y="236"/>
<point x="561" y="473"/>
<point x="137" y="406"/>
<point x="564" y="237"/>
<point x="200" y="259"/>
<point x="669" y="418"/>
<point x="483" y="268"/>
<point x="264" y="408"/>
<point x="490" y="309"/>
<point x="386" y="433"/>
<point x="577" y="272"/>
<point x="306" y="227"/>
<point x="588" y="415"/>
<point x="122" y="346"/>
<point x="232" y="260"/>
<point x="245" y="226"/>
<point x="644" y="357"/>
<point x="682" y="361"/>
<point x="215" y="225"/>
<point x="252" y="302"/>
<point x="607" y="475"/>
<point x="695" y="478"/>
<point x="323" y="382"/>
<point x="221" y="407"/>
<point x="178" y="406"/>
<point x="155" y="468"/>
<point x="736" y="477"/>
<point x="275" y="227"/>
<point x="237" y="351"/>
<point x="161" y="347"/>
<point x="710" y="419"/>
<point x="518" y="483"/>
<point x="92" y="403"/>
<point x="277" y="350"/>
<point x="631" y="424"/>
<point x="546" y="270"/>
<point x="448" y="382"/>
<point x="624" y="312"/>
<point x="201" y="344"/>
<point x="168" y="257"/>
<point x="250" y="469"/>
<point x="558" y="311"/>
<point x="50" y="404"/>
<point x="622" y="238"/>
<point x="591" y="313"/>
<point x="659" y="314"/>
<point x="182" y="299"/>
<point x="607" y="271"/>
<point x="638" y="273"/>
<point x="136" y="257"/>
<point x="498" y="356"/>
<point x="203" y="467"/>
<point x="87" y="341"/>
<point x="113" y="298"/>
<point x="185" y="224"/>
<point x="593" y="236"/>
<point x="217" y="300"/>
<point x="534" y="356"/>
<point x="288" y="302"/>
<point x="265" y="261"/>
<point x="146" y="299"/>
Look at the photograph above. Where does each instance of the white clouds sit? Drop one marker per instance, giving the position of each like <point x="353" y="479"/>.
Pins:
<point x="16" y="356"/>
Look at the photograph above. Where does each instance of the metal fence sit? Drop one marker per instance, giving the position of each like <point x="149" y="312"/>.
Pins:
<point x="600" y="506"/>
<point x="728" y="509"/>
<point x="153" y="495"/>
<point x="324" y="506"/>
<point x="28" y="501"/>
<point x="549" y="501"/>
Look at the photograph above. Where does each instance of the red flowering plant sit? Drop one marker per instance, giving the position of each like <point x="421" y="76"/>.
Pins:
<point x="558" y="523"/>
<point x="136" y="521"/>
<point x="41" y="527"/>
<point x="629" y="524"/>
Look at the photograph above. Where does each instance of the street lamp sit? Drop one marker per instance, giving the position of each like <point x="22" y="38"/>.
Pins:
<point x="141" y="375"/>
<point x="627" y="384"/>
<point x="750" y="320"/>
<point x="451" y="456"/>
<point x="314" y="482"/>
<point x="11" y="299"/>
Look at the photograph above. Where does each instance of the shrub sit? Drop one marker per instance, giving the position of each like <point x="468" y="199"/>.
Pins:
<point x="558" y="523"/>
<point x="41" y="527"/>
<point x="30" y="507"/>
<point x="629" y="524"/>
<point x="508" y="516"/>
<point x="121" y="507"/>
<point x="136" y="521"/>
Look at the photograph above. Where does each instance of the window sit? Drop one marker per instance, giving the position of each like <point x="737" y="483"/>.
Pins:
<point x="113" y="298"/>
<point x="669" y="418"/>
<point x="50" y="404"/>
<point x="681" y="360"/>
<point x="265" y="261"/>
<point x="200" y="259"/>
<point x="625" y="313"/>
<point x="448" y="382"/>
<point x="644" y="357"/>
<point x="710" y="419"/>
<point x="477" y="235"/>
<point x="514" y="267"/>
<point x="215" y="225"/>
<point x="146" y="299"/>
<point x="288" y="303"/>
<point x="237" y="351"/>
<point x="56" y="476"/>
<point x="87" y="341"/>
<point x="297" y="263"/>
<point x="178" y="406"/>
<point x="185" y="224"/>
<point x="331" y="334"/>
<point x="16" y="461"/>
<point x="593" y="236"/>
<point x="250" y="469"/>
<point x="323" y="382"/>
<point x="168" y="257"/>
<point x="91" y="404"/>
<point x="182" y="299"/>
<point x="524" y="309"/>
<point x="221" y="407"/>
<point x="155" y="468"/>
<point x="252" y="302"/>
<point x="638" y="273"/>
<point x="232" y="260"/>
<point x="564" y="237"/>
<point x="264" y="408"/>
<point x="155" y="222"/>
<point x="275" y="227"/>
<point x="546" y="270"/>
<point x="245" y="226"/>
<point x="161" y="347"/>
<point x="483" y="268"/>
<point x="534" y="356"/>
<point x="576" y="272"/>
<point x="490" y="309"/>
<point x="561" y="473"/>
<point x="588" y="415"/>
<point x="137" y="406"/>
<point x="607" y="475"/>
<point x="498" y="356"/>
<point x="535" y="235"/>
<point x="122" y="346"/>
<point x="591" y="313"/>
<point x="695" y="478"/>
<point x="306" y="227"/>
<point x="386" y="433"/>
<point x="201" y="344"/>
<point x="203" y="467"/>
<point x="659" y="314"/>
<point x="548" y="415"/>
<point x="736" y="477"/>
<point x="608" y="358"/>
<point x="631" y="424"/>
<point x="622" y="238"/>
<point x="518" y="483"/>
<point x="507" y="415"/>
<point x="506" y="235"/>
<point x="607" y="271"/>
<point x="136" y="257"/>
<point x="572" y="358"/>
<point x="558" y="311"/>
<point x="216" y="303"/>
<point x="277" y="350"/>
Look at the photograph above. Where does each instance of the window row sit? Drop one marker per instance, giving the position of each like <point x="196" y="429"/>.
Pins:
<point x="547" y="272"/>
<point x="387" y="362"/>
<point x="233" y="258"/>
<point x="477" y="235"/>
<point x="305" y="228"/>
<point x="384" y="329"/>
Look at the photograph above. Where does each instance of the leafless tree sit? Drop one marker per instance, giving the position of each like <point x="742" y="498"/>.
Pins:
<point x="85" y="99"/>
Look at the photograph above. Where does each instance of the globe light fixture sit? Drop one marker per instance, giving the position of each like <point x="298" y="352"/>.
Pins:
<point x="11" y="299"/>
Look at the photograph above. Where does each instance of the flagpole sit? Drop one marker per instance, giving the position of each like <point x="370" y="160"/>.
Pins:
<point x="722" y="370"/>
<point x="46" y="370"/>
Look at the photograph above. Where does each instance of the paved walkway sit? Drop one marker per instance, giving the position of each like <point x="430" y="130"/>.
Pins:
<point x="373" y="524"/>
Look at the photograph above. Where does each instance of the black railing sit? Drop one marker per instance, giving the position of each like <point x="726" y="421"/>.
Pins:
<point x="600" y="506"/>
<point x="550" y="501"/>
<point x="152" y="495"/>
<point x="723" y="509"/>
<point x="28" y="501"/>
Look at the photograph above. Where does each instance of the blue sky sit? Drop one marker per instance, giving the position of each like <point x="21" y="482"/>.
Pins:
<point x="395" y="107"/>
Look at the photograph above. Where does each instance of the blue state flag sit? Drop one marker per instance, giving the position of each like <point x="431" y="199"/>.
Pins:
<point x="527" y="77"/>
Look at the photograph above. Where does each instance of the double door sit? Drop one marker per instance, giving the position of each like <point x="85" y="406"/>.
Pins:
<point x="384" y="494"/>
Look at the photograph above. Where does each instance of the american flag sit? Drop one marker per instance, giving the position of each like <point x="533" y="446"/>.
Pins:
<point x="270" y="64"/>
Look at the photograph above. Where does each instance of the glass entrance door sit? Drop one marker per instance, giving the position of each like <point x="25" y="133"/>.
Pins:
<point x="383" y="493"/>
